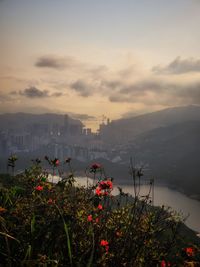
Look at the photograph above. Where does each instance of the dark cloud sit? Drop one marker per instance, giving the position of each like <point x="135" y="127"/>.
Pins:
<point x="157" y="92"/>
<point x="142" y="87"/>
<point x="54" y="62"/>
<point x="119" y="91"/>
<point x="82" y="88"/>
<point x="136" y="92"/>
<point x="33" y="92"/>
<point x="71" y="63"/>
<point x="179" y="66"/>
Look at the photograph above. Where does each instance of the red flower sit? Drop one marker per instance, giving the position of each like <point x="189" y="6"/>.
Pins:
<point x="110" y="184"/>
<point x="89" y="218"/>
<point x="189" y="251"/>
<point x="96" y="166"/>
<point x="39" y="188"/>
<point x="106" y="184"/>
<point x="163" y="263"/>
<point x="98" y="191"/>
<point x="104" y="243"/>
<point x="50" y="201"/>
<point x="97" y="220"/>
<point x="57" y="162"/>
<point x="100" y="207"/>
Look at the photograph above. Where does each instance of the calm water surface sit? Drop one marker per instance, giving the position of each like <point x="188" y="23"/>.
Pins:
<point x="176" y="200"/>
<point x="163" y="196"/>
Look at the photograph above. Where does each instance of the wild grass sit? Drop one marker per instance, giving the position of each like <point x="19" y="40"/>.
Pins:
<point x="46" y="224"/>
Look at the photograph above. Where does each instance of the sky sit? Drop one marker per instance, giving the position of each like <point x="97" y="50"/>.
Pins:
<point x="98" y="59"/>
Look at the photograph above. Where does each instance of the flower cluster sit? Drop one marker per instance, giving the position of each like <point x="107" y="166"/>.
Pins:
<point x="105" y="244"/>
<point x="104" y="188"/>
<point x="100" y="207"/>
<point x="51" y="201"/>
<point x="165" y="264"/>
<point x="106" y="185"/>
<point x="95" y="167"/>
<point x="97" y="224"/>
<point x="39" y="188"/>
<point x="91" y="219"/>
<point x="189" y="251"/>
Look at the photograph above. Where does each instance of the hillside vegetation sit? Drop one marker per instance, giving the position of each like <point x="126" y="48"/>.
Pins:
<point x="46" y="224"/>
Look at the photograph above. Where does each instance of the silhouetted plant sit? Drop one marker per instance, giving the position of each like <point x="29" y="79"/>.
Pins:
<point x="11" y="163"/>
<point x="61" y="224"/>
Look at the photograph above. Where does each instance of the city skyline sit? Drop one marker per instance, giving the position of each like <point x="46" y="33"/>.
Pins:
<point x="89" y="58"/>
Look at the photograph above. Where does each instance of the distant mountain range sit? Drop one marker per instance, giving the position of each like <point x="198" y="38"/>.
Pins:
<point x="125" y="130"/>
<point x="167" y="142"/>
<point x="171" y="155"/>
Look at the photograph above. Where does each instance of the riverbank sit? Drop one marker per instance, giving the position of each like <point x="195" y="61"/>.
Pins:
<point x="164" y="184"/>
<point x="60" y="222"/>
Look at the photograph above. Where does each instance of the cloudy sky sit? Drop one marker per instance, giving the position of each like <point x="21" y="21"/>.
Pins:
<point x="91" y="58"/>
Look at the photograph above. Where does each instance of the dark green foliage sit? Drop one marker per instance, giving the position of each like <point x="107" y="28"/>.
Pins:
<point x="45" y="224"/>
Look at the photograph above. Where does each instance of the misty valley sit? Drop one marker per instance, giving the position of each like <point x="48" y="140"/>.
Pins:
<point x="128" y="181"/>
<point x="164" y="143"/>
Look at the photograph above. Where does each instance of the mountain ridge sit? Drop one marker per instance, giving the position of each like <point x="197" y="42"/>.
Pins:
<point x="124" y="130"/>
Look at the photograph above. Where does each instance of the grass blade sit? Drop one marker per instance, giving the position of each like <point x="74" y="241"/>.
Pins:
<point x="9" y="236"/>
<point x="33" y="224"/>
<point x="92" y="253"/>
<point x="67" y="235"/>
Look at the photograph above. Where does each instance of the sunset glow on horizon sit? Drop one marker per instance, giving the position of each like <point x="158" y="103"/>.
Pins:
<point x="98" y="59"/>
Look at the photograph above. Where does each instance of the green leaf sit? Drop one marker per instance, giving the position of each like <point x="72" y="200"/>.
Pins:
<point x="33" y="224"/>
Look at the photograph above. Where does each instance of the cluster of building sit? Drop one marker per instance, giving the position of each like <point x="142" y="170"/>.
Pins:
<point x="70" y="139"/>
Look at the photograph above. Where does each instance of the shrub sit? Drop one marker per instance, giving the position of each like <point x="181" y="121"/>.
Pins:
<point x="46" y="224"/>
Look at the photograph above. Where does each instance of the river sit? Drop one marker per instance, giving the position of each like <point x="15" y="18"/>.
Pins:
<point x="163" y="196"/>
<point x="177" y="201"/>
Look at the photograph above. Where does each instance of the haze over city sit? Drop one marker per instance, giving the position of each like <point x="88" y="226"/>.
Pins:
<point x="99" y="133"/>
<point x="93" y="58"/>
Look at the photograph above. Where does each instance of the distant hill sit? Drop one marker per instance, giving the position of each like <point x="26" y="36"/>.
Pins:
<point x="171" y="154"/>
<point x="124" y="130"/>
<point x="21" y="120"/>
